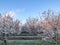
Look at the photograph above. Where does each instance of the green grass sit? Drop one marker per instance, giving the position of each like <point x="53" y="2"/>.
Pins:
<point x="32" y="42"/>
<point x="25" y="36"/>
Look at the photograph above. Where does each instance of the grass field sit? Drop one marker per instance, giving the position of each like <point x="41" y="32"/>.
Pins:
<point x="30" y="42"/>
<point x="37" y="41"/>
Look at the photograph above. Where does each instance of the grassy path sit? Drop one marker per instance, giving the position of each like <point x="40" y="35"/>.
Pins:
<point x="32" y="42"/>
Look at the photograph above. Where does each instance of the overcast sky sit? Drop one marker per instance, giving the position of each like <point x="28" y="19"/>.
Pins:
<point x="22" y="9"/>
